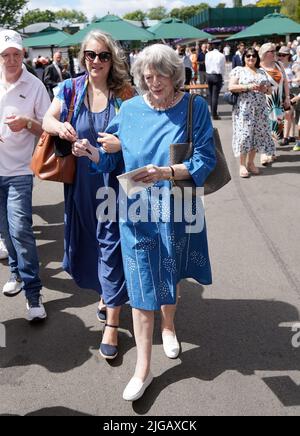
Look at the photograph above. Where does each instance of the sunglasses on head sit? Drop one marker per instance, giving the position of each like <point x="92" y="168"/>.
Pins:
<point x="91" y="56"/>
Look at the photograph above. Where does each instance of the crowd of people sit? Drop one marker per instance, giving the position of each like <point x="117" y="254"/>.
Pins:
<point x="266" y="81"/>
<point x="117" y="128"/>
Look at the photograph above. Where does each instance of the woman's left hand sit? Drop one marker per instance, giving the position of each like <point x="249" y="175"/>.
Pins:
<point x="83" y="148"/>
<point x="151" y="175"/>
<point x="109" y="143"/>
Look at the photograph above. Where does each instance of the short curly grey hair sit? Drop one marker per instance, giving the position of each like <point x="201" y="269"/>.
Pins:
<point x="162" y="59"/>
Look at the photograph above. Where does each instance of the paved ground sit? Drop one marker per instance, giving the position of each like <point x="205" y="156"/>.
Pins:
<point x="238" y="357"/>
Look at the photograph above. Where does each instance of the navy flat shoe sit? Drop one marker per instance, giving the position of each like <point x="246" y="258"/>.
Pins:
<point x="107" y="351"/>
<point x="101" y="315"/>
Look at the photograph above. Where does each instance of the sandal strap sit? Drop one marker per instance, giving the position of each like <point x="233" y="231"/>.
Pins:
<point x="112" y="326"/>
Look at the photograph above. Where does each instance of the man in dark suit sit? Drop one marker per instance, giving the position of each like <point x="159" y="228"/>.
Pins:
<point x="237" y="58"/>
<point x="53" y="74"/>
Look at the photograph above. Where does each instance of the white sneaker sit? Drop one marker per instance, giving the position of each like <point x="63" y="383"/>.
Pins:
<point x="171" y="346"/>
<point x="136" y="388"/>
<point x="3" y="250"/>
<point x="13" y="287"/>
<point x="36" y="312"/>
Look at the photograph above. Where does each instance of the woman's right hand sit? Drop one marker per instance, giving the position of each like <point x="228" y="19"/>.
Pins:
<point x="256" y="88"/>
<point x="67" y="132"/>
<point x="83" y="148"/>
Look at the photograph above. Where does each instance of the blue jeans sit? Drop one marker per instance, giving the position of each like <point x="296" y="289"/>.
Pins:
<point x="16" y="230"/>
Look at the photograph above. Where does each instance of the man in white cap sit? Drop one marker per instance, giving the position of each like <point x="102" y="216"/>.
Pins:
<point x="23" y="104"/>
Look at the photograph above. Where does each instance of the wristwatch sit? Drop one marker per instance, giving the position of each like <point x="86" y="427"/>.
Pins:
<point x="29" y="124"/>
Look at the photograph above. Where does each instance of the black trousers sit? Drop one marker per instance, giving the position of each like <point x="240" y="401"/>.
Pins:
<point x="188" y="76"/>
<point x="215" y="82"/>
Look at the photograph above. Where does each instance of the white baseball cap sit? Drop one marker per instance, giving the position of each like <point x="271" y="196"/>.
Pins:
<point x="10" y="39"/>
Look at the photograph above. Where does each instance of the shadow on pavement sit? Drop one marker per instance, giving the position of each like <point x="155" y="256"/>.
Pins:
<point x="60" y="344"/>
<point x="273" y="170"/>
<point x="54" y="411"/>
<point x="53" y="250"/>
<point x="231" y="335"/>
<point x="64" y="342"/>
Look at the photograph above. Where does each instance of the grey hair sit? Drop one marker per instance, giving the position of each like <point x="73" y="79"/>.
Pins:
<point x="162" y="59"/>
<point x="265" y="48"/>
<point x="119" y="73"/>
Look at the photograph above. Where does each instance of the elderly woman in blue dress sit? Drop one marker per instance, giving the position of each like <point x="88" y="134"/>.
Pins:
<point x="157" y="253"/>
<point x="92" y="249"/>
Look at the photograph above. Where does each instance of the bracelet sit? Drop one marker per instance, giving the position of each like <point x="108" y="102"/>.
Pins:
<point x="172" y="178"/>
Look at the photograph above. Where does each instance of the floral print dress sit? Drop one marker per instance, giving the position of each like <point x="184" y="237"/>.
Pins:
<point x="251" y="125"/>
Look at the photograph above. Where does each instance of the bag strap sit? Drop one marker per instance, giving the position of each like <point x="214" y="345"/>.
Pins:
<point x="72" y="105"/>
<point x="192" y="97"/>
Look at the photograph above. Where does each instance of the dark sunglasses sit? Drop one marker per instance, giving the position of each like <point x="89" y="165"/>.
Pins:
<point x="91" y="56"/>
<point x="282" y="55"/>
<point x="248" y="56"/>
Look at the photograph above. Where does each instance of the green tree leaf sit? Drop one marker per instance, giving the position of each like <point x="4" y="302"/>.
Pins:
<point x="136" y="16"/>
<point x="71" y="16"/>
<point x="37" y="16"/>
<point x="265" y="3"/>
<point x="157" y="13"/>
<point x="291" y="8"/>
<point x="187" y="12"/>
<point x="10" y="10"/>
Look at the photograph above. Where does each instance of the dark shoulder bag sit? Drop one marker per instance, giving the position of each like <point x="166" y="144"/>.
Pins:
<point x="179" y="153"/>
<point x="231" y="98"/>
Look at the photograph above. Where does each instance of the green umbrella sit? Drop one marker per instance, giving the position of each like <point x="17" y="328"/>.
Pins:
<point x="172" y="28"/>
<point x="272" y="24"/>
<point x="45" y="39"/>
<point x="119" y="29"/>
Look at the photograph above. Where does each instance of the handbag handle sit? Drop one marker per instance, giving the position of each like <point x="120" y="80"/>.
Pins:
<point x="72" y="105"/>
<point x="189" y="127"/>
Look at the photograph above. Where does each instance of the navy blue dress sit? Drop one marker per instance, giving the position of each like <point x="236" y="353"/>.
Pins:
<point x="92" y="249"/>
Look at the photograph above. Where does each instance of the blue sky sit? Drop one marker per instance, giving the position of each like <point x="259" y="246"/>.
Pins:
<point x="119" y="7"/>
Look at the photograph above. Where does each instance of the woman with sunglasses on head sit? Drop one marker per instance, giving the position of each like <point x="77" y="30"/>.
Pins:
<point x="92" y="247"/>
<point x="279" y="101"/>
<point x="251" y="131"/>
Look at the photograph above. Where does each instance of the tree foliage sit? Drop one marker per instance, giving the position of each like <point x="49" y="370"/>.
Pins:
<point x="291" y="8"/>
<point x="266" y="3"/>
<point x="37" y="16"/>
<point x="157" y="13"/>
<point x="187" y="12"/>
<point x="136" y="16"/>
<point x="10" y="11"/>
<point x="71" y="16"/>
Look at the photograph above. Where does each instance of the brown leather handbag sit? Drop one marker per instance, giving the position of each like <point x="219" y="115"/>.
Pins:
<point x="52" y="159"/>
